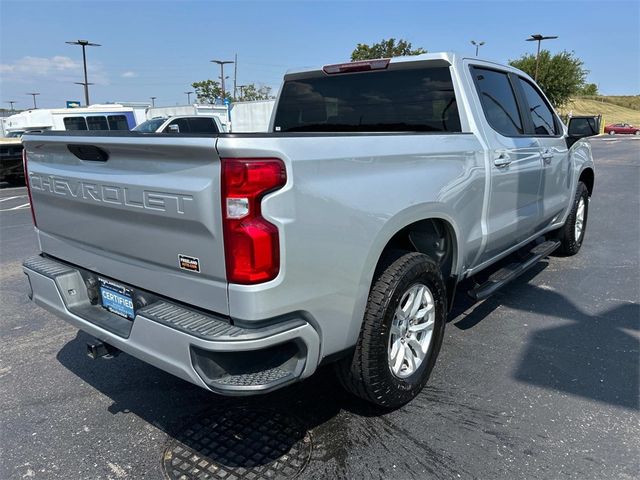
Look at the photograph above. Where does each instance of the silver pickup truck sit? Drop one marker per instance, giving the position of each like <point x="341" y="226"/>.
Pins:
<point x="242" y="262"/>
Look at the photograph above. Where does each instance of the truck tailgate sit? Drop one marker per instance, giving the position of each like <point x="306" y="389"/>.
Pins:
<point x="148" y="215"/>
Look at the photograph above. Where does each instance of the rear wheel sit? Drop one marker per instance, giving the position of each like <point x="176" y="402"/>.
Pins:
<point x="637" y="132"/>
<point x="401" y="333"/>
<point x="572" y="233"/>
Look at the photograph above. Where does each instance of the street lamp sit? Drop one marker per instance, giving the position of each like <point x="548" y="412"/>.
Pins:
<point x="538" y="38"/>
<point x="477" y="45"/>
<point x="153" y="101"/>
<point x="34" y="99"/>
<point x="84" y="44"/>
<point x="188" y="97"/>
<point x="11" y="102"/>
<point x="222" y="64"/>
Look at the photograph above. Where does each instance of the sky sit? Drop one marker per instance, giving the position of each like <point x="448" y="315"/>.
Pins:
<point x="159" y="47"/>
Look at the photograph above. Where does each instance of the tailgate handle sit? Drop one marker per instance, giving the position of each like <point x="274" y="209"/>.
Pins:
<point x="89" y="152"/>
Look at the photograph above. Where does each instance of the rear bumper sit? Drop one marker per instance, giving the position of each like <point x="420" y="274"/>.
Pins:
<point x="198" y="347"/>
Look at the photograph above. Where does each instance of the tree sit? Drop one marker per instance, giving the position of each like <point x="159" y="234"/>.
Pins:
<point x="589" y="90"/>
<point x="207" y="91"/>
<point x="384" y="49"/>
<point x="560" y="76"/>
<point x="251" y="92"/>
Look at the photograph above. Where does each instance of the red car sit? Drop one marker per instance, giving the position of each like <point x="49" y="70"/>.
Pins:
<point x="621" y="128"/>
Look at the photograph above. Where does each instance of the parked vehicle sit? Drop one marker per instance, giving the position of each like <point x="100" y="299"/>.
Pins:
<point x="198" y="124"/>
<point x="100" y="117"/>
<point x="220" y="111"/>
<point x="242" y="263"/>
<point x="622" y="128"/>
<point x="11" y="160"/>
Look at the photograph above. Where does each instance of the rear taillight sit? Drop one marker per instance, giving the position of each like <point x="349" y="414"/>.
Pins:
<point x="26" y="181"/>
<point x="251" y="243"/>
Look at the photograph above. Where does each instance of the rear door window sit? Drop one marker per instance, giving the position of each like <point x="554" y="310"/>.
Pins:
<point x="394" y="100"/>
<point x="97" y="123"/>
<point x="539" y="111"/>
<point x="498" y="101"/>
<point x="202" y="125"/>
<point x="74" y="123"/>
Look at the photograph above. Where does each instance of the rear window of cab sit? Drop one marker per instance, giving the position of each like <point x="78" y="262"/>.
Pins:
<point x="399" y="100"/>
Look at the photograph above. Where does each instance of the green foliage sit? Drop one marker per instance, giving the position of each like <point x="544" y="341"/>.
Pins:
<point x="384" y="49"/>
<point x="251" y="92"/>
<point x="560" y="76"/>
<point x="589" y="90"/>
<point x="207" y="91"/>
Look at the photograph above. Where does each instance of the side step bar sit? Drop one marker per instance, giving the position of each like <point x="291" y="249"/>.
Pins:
<point x="512" y="271"/>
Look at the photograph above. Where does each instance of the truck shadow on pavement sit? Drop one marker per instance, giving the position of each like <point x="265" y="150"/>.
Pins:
<point x="595" y="356"/>
<point x="568" y="350"/>
<point x="282" y="419"/>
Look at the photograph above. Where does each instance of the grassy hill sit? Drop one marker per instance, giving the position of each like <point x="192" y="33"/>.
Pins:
<point x="611" y="108"/>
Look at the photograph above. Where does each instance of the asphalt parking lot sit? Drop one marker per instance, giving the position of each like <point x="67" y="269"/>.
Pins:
<point x="539" y="381"/>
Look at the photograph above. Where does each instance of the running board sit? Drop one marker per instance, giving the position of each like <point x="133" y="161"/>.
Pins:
<point x="512" y="271"/>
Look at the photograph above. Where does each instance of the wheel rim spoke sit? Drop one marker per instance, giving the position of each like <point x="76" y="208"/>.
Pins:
<point x="411" y="330"/>
<point x="418" y="348"/>
<point x="419" y="327"/>
<point x="399" y="358"/>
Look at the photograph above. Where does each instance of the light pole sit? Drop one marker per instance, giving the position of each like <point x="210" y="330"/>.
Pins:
<point x="222" y="64"/>
<point x="34" y="99"/>
<point x="84" y="44"/>
<point x="188" y="97"/>
<point x="11" y="102"/>
<point x="538" y="38"/>
<point x="477" y="45"/>
<point x="153" y="101"/>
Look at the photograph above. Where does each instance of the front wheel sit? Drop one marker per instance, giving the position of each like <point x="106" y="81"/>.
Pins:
<point x="572" y="233"/>
<point x="401" y="334"/>
<point x="611" y="132"/>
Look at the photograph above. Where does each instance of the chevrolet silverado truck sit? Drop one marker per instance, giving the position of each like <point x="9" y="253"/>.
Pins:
<point x="243" y="262"/>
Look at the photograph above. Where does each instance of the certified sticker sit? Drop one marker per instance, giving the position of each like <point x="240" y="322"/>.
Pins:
<point x="189" y="263"/>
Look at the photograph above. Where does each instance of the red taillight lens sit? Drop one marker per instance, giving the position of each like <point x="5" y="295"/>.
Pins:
<point x="251" y="243"/>
<point x="26" y="181"/>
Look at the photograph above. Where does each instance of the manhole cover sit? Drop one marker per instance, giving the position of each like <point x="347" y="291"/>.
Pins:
<point x="239" y="443"/>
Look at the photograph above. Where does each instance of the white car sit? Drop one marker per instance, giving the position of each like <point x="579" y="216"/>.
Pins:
<point x="197" y="124"/>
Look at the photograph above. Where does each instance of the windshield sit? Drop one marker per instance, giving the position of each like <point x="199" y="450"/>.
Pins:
<point x="150" y="126"/>
<point x="16" y="134"/>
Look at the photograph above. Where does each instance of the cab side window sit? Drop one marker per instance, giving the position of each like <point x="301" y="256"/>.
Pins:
<point x="498" y="101"/>
<point x="539" y="111"/>
<point x="203" y="125"/>
<point x="183" y="126"/>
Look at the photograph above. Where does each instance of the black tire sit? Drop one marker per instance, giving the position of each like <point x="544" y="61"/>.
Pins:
<point x="367" y="373"/>
<point x="611" y="132"/>
<point x="569" y="244"/>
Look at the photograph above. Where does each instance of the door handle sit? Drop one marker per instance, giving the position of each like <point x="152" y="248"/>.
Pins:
<point x="547" y="155"/>
<point x="502" y="160"/>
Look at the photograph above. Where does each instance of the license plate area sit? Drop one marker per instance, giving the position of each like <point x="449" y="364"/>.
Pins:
<point x="117" y="299"/>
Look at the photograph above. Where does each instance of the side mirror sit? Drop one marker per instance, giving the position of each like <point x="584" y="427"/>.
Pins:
<point x="173" y="128"/>
<point x="582" y="127"/>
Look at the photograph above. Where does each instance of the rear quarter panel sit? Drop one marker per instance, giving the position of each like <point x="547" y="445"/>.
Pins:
<point x="345" y="197"/>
